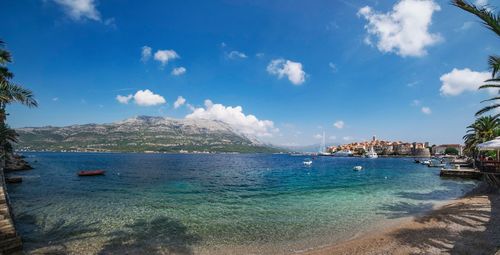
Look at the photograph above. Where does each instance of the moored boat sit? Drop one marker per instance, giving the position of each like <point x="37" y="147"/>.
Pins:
<point x="14" y="179"/>
<point x="371" y="153"/>
<point x="91" y="172"/>
<point x="343" y="153"/>
<point x="307" y="162"/>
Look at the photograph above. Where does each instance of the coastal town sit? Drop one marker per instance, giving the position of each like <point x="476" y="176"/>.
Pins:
<point x="398" y="148"/>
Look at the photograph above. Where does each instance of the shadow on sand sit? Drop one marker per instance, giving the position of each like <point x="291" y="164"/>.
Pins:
<point x="161" y="235"/>
<point x="407" y="209"/>
<point x="460" y="228"/>
<point x="51" y="238"/>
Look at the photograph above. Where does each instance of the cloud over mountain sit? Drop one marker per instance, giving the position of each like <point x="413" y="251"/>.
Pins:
<point x="142" y="98"/>
<point x="234" y="116"/>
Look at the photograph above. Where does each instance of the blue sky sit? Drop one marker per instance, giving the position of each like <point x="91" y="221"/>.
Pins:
<point x="296" y="68"/>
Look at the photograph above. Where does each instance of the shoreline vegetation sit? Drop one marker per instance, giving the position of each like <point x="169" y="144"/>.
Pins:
<point x="466" y="225"/>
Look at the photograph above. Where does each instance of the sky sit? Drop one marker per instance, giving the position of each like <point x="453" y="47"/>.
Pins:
<point x="283" y="71"/>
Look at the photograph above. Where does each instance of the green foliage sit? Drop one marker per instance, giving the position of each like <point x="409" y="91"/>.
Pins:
<point x="451" y="151"/>
<point x="483" y="129"/>
<point x="491" y="154"/>
<point x="10" y="93"/>
<point x="491" y="21"/>
<point x="360" y="151"/>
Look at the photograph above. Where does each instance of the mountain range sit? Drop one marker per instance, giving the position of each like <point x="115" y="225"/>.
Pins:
<point x="142" y="134"/>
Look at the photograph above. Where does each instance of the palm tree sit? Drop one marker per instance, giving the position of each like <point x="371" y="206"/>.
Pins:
<point x="491" y="21"/>
<point x="5" y="58"/>
<point x="483" y="129"/>
<point x="10" y="93"/>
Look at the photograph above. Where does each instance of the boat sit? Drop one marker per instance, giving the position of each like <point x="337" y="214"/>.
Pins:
<point x="357" y="168"/>
<point x="91" y="172"/>
<point x="436" y="163"/>
<point x="425" y="162"/>
<point x="307" y="162"/>
<point x="371" y="153"/>
<point x="343" y="153"/>
<point x="322" y="150"/>
<point x="14" y="179"/>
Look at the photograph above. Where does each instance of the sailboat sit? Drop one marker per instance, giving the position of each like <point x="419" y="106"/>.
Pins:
<point x="371" y="153"/>
<point x="322" y="149"/>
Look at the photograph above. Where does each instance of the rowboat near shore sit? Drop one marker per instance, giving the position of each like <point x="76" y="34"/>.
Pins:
<point x="91" y="172"/>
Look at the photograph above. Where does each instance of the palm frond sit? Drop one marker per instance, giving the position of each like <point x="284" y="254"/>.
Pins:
<point x="488" y="18"/>
<point x="5" y="74"/>
<point x="487" y="109"/>
<point x="493" y="80"/>
<point x="10" y="93"/>
<point x="5" y="57"/>
<point x="494" y="63"/>
<point x="8" y="134"/>
<point x="491" y="99"/>
<point x="487" y="86"/>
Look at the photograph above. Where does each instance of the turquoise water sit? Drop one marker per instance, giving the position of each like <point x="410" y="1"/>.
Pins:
<point x="215" y="204"/>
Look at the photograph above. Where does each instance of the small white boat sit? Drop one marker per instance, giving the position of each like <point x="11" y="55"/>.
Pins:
<point x="307" y="162"/>
<point x="371" y="153"/>
<point x="343" y="153"/>
<point x="357" y="168"/>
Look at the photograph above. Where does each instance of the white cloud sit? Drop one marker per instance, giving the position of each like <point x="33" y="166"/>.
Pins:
<point x="190" y="107"/>
<point x="163" y="56"/>
<point x="145" y="53"/>
<point x="236" y="54"/>
<point x="178" y="71"/>
<point x="317" y="136"/>
<point x="405" y="29"/>
<point x="333" y="67"/>
<point x="293" y="70"/>
<point x="332" y="137"/>
<point x="259" y="55"/>
<point x="55" y="99"/>
<point x="179" y="102"/>
<point x="460" y="80"/>
<point x="80" y="9"/>
<point x="123" y="99"/>
<point x="426" y="110"/>
<point x="142" y="98"/>
<point x="465" y="26"/>
<point x="415" y="102"/>
<point x="339" y="124"/>
<point x="234" y="116"/>
<point x="148" y="98"/>
<point x="481" y="3"/>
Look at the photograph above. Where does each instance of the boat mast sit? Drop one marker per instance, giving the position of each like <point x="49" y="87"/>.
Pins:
<point x="323" y="144"/>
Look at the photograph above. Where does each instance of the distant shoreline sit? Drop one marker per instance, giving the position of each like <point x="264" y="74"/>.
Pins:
<point x="205" y="153"/>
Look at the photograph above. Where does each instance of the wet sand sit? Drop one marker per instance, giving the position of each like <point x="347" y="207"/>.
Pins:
<point x="469" y="225"/>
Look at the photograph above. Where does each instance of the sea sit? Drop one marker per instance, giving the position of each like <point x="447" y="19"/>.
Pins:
<point x="215" y="203"/>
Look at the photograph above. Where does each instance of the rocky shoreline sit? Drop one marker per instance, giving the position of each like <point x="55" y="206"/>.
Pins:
<point x="15" y="162"/>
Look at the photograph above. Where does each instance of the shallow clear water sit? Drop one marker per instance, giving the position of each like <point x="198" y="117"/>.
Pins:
<point x="253" y="203"/>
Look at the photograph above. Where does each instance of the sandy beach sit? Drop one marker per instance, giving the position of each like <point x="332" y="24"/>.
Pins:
<point x="469" y="225"/>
